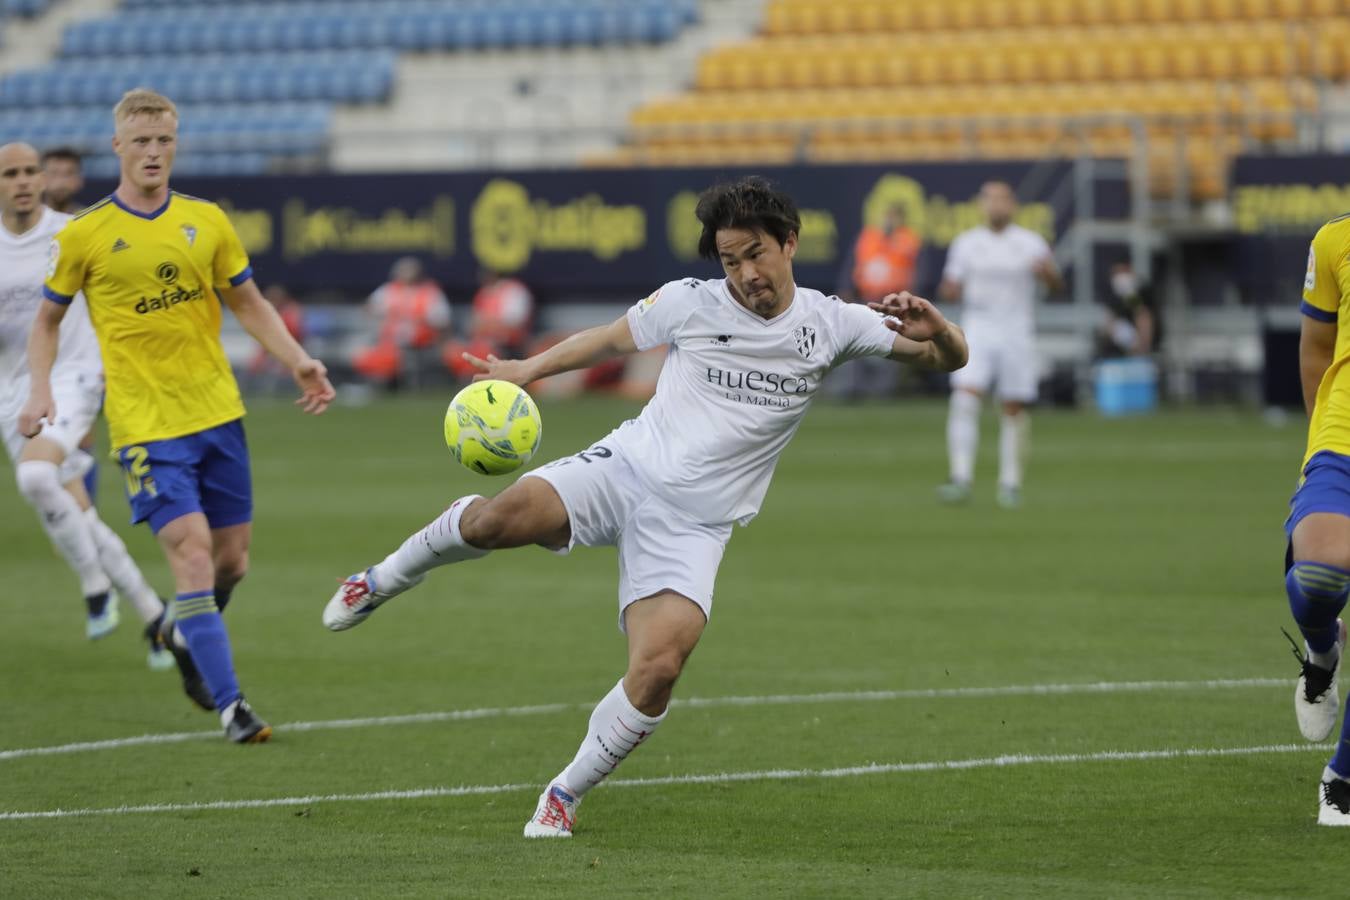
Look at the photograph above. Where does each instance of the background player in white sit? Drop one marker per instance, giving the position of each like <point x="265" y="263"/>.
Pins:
<point x="49" y="467"/>
<point x="993" y="271"/>
<point x="747" y="355"/>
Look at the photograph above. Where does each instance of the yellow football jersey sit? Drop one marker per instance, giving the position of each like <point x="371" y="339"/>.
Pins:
<point x="1326" y="297"/>
<point x="150" y="281"/>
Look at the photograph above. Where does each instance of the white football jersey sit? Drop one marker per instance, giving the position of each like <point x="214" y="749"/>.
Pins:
<point x="998" y="281"/>
<point x="23" y="266"/>
<point x="733" y="389"/>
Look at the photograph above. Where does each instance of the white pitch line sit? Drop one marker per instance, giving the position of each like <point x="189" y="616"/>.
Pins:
<point x="457" y="715"/>
<point x="945" y="765"/>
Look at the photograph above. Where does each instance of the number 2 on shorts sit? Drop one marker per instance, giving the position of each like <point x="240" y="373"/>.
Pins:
<point x="136" y="468"/>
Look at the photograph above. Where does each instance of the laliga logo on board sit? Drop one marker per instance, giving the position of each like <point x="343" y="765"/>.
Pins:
<point x="508" y="226"/>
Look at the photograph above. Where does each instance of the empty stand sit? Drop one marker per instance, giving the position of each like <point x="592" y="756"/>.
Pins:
<point x="913" y="79"/>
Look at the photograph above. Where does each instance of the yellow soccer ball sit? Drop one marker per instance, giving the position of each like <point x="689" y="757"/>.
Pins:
<point x="493" y="427"/>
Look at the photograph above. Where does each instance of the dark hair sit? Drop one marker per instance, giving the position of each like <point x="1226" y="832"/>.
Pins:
<point x="751" y="203"/>
<point x="66" y="153"/>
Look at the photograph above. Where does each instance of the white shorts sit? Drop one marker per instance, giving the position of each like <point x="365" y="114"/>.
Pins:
<point x="1009" y="363"/>
<point x="79" y="397"/>
<point x="660" y="547"/>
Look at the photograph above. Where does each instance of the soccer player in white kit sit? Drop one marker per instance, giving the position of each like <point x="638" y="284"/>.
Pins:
<point x="747" y="356"/>
<point x="49" y="467"/>
<point x="993" y="271"/>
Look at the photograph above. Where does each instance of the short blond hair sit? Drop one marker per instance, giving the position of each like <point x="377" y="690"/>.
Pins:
<point x="142" y="102"/>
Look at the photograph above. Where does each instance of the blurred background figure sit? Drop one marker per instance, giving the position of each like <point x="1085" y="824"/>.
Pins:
<point x="63" y="174"/>
<point x="264" y="372"/>
<point x="1131" y="325"/>
<point x="412" y="313"/>
<point x="499" y="325"/>
<point x="994" y="271"/>
<point x="63" y="168"/>
<point x="883" y="262"/>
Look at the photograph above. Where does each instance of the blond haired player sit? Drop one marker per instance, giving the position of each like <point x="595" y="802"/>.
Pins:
<point x="152" y="263"/>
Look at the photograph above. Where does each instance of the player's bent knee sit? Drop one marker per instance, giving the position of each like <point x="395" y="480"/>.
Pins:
<point x="1323" y="538"/>
<point x="231" y="570"/>
<point x="38" y="481"/>
<point x="657" y="673"/>
<point x="520" y="515"/>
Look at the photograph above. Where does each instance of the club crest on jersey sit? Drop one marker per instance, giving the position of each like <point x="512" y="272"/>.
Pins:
<point x="805" y="336"/>
<point x="190" y="232"/>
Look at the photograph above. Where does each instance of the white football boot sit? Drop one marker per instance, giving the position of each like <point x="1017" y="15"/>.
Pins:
<point x="1316" y="698"/>
<point x="1333" y="800"/>
<point x="555" y="814"/>
<point x="356" y="599"/>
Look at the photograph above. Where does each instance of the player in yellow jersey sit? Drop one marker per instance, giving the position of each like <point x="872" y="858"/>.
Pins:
<point x="156" y="267"/>
<point x="1317" y="564"/>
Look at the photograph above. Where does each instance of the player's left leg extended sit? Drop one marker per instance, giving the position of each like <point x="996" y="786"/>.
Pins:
<point x="662" y="631"/>
<point x="528" y="512"/>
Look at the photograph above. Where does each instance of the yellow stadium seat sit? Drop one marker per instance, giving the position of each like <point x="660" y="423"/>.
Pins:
<point x="1127" y="12"/>
<point x="1254" y="60"/>
<point x="1257" y="9"/>
<point x="1158" y="11"/>
<point x="1220" y="61"/>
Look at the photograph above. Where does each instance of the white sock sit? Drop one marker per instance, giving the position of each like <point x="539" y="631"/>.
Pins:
<point x="40" y="483"/>
<point x="963" y="435"/>
<point x="438" y="544"/>
<point x="1012" y="443"/>
<point x="616" y="730"/>
<point x="118" y="564"/>
<point x="1326" y="660"/>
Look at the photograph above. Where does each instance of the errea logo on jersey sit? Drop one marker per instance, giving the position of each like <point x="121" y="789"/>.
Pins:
<point x="1310" y="280"/>
<point x="53" y="255"/>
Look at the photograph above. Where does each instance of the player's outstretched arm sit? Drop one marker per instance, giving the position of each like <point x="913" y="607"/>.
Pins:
<point x="42" y="344"/>
<point x="580" y="351"/>
<point x="924" y="337"/>
<point x="262" y="321"/>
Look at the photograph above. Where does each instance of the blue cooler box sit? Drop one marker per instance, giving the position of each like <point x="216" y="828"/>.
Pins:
<point x="1126" y="386"/>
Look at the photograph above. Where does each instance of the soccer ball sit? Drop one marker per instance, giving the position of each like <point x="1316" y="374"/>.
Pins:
<point x="492" y="427"/>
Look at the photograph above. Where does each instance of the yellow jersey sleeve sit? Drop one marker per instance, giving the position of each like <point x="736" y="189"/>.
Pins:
<point x="65" y="267"/>
<point x="1328" y="278"/>
<point x="230" y="266"/>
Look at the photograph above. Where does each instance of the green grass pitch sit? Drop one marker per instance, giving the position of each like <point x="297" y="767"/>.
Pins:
<point x="1148" y="550"/>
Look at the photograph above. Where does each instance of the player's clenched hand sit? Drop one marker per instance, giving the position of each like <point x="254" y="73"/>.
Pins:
<point x="911" y="316"/>
<point x="39" y="408"/>
<point x="515" y="371"/>
<point x="312" y="377"/>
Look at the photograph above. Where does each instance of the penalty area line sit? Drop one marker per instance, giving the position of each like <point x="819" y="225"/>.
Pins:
<point x="950" y="765"/>
<point x="461" y="715"/>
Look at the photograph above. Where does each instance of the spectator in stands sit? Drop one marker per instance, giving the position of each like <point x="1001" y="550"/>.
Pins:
<point x="63" y="170"/>
<point x="412" y="312"/>
<point x="264" y="371"/>
<point x="1131" y="328"/>
<point x="883" y="261"/>
<point x="500" y="325"/>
